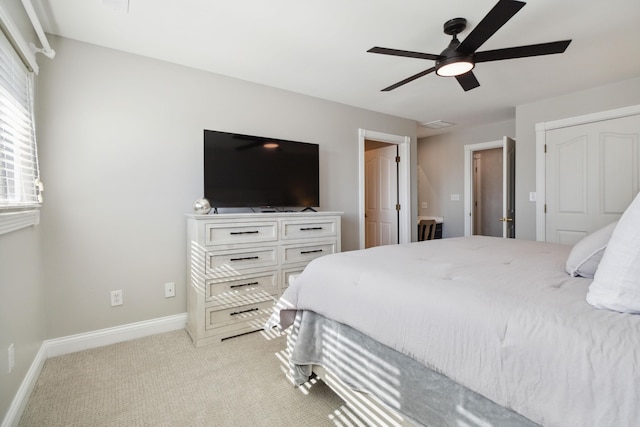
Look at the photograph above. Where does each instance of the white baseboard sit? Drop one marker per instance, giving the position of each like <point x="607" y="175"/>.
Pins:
<point x="19" y="402"/>
<point x="85" y="341"/>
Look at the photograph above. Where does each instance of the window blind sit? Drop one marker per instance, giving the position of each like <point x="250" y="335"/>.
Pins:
<point x="19" y="175"/>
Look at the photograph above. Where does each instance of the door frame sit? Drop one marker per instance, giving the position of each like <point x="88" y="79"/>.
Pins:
<point x="469" y="149"/>
<point x="541" y="161"/>
<point x="404" y="181"/>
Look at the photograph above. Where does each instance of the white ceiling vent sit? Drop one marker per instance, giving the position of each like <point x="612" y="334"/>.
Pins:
<point x="436" y="124"/>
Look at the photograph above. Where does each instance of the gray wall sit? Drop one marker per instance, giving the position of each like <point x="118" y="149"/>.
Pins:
<point x="121" y="157"/>
<point x="441" y="171"/>
<point x="602" y="98"/>
<point x="22" y="284"/>
<point x="441" y="157"/>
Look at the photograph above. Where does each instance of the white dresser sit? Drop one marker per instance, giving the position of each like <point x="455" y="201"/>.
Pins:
<point x="239" y="264"/>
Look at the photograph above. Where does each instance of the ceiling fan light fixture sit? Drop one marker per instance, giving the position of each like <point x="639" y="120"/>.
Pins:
<point x="455" y="66"/>
<point x="458" y="59"/>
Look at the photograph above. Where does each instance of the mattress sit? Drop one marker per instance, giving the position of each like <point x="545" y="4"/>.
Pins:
<point x="498" y="316"/>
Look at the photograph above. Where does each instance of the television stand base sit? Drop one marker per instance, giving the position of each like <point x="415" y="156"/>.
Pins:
<point x="308" y="209"/>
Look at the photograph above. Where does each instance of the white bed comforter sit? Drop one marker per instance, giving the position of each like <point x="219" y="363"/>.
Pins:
<point x="499" y="316"/>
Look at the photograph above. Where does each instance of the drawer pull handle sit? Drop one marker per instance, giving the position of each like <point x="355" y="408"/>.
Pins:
<point x="244" y="311"/>
<point x="310" y="252"/>
<point x="244" y="284"/>
<point x="244" y="258"/>
<point x="310" y="228"/>
<point x="233" y="233"/>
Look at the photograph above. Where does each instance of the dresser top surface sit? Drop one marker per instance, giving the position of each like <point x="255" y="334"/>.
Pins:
<point x="258" y="215"/>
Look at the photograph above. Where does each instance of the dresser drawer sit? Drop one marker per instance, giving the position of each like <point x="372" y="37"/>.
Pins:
<point x="248" y="232"/>
<point x="309" y="229"/>
<point x="227" y="263"/>
<point x="289" y="275"/>
<point x="237" y="315"/>
<point x="306" y="252"/>
<point x="249" y="289"/>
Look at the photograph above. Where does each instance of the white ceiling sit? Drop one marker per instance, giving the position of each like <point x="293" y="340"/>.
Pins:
<point x="319" y="48"/>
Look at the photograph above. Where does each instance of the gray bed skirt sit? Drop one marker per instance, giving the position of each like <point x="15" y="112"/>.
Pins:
<point x="403" y="384"/>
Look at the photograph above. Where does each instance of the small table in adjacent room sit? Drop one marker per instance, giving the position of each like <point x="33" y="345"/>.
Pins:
<point x="439" y="221"/>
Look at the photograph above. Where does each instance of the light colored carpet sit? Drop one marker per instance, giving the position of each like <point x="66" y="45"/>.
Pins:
<point x="163" y="380"/>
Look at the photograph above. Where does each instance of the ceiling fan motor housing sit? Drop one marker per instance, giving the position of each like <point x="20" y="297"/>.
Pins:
<point x="450" y="56"/>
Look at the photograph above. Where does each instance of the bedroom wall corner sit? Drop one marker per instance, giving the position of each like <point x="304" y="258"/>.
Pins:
<point x="22" y="308"/>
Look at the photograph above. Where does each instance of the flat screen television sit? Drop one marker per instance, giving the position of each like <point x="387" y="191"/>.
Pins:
<point x="254" y="171"/>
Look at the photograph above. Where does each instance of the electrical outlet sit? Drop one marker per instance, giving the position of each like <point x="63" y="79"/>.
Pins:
<point x="532" y="196"/>
<point x="11" y="357"/>
<point x="116" y="298"/>
<point x="455" y="197"/>
<point x="169" y="290"/>
<point x="425" y="205"/>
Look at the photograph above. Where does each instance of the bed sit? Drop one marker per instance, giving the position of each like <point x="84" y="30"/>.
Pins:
<point x="468" y="331"/>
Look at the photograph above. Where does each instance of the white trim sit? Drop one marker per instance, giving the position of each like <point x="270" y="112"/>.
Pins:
<point x="102" y="337"/>
<point x="12" y="221"/>
<point x="589" y="118"/>
<point x="13" y="415"/>
<point x="541" y="140"/>
<point x="85" y="341"/>
<point x="37" y="27"/>
<point x="26" y="54"/>
<point x="404" y="181"/>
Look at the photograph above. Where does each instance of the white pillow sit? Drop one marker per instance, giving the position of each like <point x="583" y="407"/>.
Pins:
<point x="616" y="285"/>
<point x="586" y="254"/>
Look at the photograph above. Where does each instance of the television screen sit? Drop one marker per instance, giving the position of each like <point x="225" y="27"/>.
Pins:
<point x="253" y="171"/>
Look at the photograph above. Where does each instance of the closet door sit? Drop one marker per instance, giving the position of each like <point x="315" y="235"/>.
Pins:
<point x="591" y="176"/>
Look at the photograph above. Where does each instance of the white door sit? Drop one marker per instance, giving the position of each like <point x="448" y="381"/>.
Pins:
<point x="381" y="196"/>
<point x="508" y="185"/>
<point x="591" y="176"/>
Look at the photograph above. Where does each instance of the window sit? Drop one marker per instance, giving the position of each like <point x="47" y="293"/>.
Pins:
<point x="20" y="186"/>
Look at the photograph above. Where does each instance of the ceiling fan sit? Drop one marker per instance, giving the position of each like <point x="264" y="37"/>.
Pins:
<point x="459" y="58"/>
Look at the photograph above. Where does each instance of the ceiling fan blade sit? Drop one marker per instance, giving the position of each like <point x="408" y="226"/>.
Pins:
<point x="468" y="81"/>
<point x="492" y="22"/>
<point x="409" y="79"/>
<point x="522" y="51"/>
<point x="405" y="53"/>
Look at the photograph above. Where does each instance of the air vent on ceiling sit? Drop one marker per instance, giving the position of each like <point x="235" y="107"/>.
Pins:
<point x="436" y="124"/>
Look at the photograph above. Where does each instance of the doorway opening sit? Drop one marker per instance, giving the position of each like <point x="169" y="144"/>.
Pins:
<point x="487" y="192"/>
<point x="489" y="188"/>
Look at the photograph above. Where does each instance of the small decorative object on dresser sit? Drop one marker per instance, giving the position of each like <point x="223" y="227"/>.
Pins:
<point x="239" y="265"/>
<point x="201" y="206"/>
